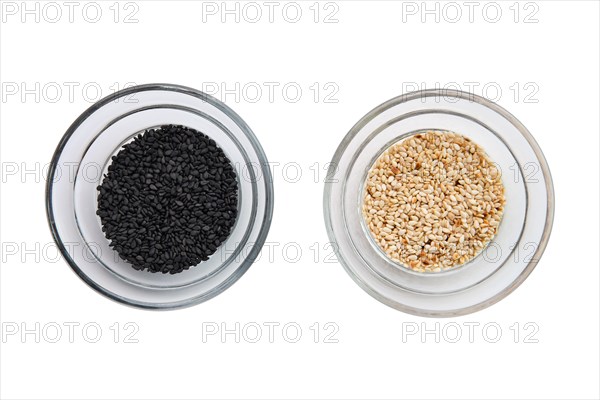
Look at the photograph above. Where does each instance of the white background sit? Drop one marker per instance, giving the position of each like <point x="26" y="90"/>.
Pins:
<point x="373" y="53"/>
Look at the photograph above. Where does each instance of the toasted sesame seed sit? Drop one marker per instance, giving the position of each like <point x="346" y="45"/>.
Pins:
<point x="432" y="191"/>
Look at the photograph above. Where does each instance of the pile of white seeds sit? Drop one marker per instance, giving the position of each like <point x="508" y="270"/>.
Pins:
<point x="433" y="201"/>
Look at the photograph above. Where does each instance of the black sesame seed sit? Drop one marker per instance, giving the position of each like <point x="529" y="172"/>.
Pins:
<point x="169" y="199"/>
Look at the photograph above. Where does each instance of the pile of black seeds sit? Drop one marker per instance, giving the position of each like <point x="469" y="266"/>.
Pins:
<point x="169" y="199"/>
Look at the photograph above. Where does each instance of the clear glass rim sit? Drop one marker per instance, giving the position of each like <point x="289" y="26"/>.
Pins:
<point x="265" y="223"/>
<point x="450" y="93"/>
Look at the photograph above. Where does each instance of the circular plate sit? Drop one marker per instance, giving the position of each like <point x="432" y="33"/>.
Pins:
<point x="523" y="232"/>
<point x="82" y="158"/>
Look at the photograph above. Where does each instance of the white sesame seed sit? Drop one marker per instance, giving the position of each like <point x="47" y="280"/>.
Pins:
<point x="441" y="199"/>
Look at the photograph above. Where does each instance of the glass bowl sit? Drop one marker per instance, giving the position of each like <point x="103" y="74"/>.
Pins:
<point x="82" y="158"/>
<point x="521" y="236"/>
